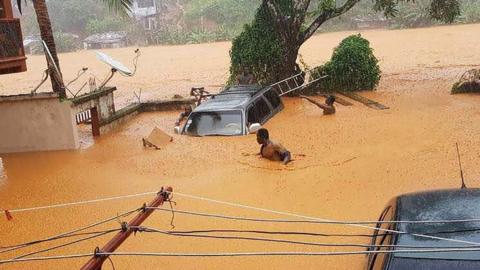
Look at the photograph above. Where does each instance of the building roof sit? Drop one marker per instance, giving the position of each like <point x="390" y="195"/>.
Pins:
<point x="107" y="37"/>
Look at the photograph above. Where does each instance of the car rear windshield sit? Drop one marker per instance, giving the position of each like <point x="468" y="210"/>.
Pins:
<point x="214" y="123"/>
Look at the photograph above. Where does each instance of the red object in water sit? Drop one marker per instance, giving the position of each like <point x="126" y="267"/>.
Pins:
<point x="8" y="215"/>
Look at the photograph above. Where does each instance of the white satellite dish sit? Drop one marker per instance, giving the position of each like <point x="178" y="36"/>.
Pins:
<point x="114" y="64"/>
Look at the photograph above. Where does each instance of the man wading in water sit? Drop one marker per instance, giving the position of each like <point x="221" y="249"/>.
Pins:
<point x="183" y="115"/>
<point x="245" y="78"/>
<point x="271" y="150"/>
<point x="327" y="108"/>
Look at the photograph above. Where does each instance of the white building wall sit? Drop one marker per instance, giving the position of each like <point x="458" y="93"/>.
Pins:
<point x="38" y="123"/>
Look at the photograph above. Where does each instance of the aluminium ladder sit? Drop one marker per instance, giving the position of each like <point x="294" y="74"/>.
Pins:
<point x="296" y="82"/>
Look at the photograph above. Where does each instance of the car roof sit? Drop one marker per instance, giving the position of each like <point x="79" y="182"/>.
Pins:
<point x="231" y="98"/>
<point x="458" y="204"/>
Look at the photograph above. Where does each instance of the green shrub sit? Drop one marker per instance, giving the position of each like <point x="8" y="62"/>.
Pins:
<point x="257" y="47"/>
<point x="353" y="67"/>
<point x="66" y="42"/>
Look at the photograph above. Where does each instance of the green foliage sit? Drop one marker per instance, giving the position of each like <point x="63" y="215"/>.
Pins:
<point x="95" y="26"/>
<point x="415" y="14"/>
<point x="353" y="67"/>
<point x="470" y="12"/>
<point x="229" y="14"/>
<point x="175" y="36"/>
<point x="77" y="17"/>
<point x="258" y="48"/>
<point x="66" y="42"/>
<point x="445" y="10"/>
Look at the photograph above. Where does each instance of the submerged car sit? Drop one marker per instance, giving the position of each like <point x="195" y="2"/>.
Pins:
<point x="458" y="204"/>
<point x="237" y="110"/>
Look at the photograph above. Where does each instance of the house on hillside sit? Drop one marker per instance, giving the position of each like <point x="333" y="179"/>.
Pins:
<point x="106" y="40"/>
<point x="370" y="22"/>
<point x="153" y="15"/>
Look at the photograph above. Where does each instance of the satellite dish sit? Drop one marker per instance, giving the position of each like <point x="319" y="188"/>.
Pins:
<point x="114" y="64"/>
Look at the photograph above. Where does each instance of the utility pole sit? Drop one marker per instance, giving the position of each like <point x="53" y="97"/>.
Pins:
<point x="96" y="262"/>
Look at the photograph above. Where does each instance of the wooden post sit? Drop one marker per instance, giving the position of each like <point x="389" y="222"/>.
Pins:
<point x="96" y="262"/>
<point x="95" y="120"/>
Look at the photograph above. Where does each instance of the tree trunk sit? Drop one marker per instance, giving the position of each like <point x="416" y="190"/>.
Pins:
<point x="289" y="65"/>
<point x="46" y="33"/>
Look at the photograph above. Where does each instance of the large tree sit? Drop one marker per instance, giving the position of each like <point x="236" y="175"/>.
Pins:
<point x="46" y="33"/>
<point x="295" y="21"/>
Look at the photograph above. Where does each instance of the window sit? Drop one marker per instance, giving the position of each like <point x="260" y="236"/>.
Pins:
<point x="258" y="112"/>
<point x="376" y="260"/>
<point x="145" y="3"/>
<point x="273" y="98"/>
<point x="214" y="123"/>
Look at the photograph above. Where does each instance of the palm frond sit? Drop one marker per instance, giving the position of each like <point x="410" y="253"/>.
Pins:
<point x="123" y="7"/>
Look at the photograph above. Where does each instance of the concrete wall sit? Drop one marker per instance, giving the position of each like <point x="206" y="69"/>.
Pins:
<point x="101" y="99"/>
<point x="36" y="123"/>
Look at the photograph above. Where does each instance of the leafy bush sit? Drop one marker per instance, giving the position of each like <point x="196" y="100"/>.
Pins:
<point x="66" y="42"/>
<point x="353" y="67"/>
<point x="178" y="36"/>
<point x="257" y="48"/>
<point x="108" y="24"/>
<point x="470" y="12"/>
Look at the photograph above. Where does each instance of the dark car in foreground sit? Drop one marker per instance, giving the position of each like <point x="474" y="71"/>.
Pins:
<point x="237" y="110"/>
<point x="458" y="204"/>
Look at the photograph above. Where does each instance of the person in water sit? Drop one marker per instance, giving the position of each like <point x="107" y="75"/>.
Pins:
<point x="246" y="77"/>
<point x="183" y="115"/>
<point x="327" y="108"/>
<point x="270" y="149"/>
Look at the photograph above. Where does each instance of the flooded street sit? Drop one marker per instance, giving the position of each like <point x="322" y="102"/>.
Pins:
<point x="346" y="166"/>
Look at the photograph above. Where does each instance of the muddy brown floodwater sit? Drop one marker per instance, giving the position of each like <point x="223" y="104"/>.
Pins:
<point x="347" y="166"/>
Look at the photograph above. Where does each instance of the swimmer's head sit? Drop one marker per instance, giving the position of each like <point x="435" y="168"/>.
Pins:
<point x="330" y="100"/>
<point x="262" y="136"/>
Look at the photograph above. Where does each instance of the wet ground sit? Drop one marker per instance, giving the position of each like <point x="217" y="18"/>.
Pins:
<point x="347" y="166"/>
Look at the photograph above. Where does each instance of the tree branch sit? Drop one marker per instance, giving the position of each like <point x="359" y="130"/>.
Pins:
<point x="325" y="16"/>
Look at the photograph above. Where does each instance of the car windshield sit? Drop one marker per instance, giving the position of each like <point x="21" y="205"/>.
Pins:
<point x="225" y="123"/>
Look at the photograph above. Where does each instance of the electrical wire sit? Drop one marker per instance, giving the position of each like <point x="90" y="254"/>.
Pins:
<point x="316" y="221"/>
<point x="80" y="202"/>
<point x="66" y="244"/>
<point x="61" y="235"/>
<point x="321" y="219"/>
<point x="279" y="233"/>
<point x="60" y="257"/>
<point x="153" y="230"/>
<point x="243" y="254"/>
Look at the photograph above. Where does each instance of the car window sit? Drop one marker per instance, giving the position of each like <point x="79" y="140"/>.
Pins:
<point x="375" y="260"/>
<point x="214" y="123"/>
<point x="258" y="112"/>
<point x="252" y="115"/>
<point x="378" y="261"/>
<point x="273" y="98"/>
<point x="263" y="109"/>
